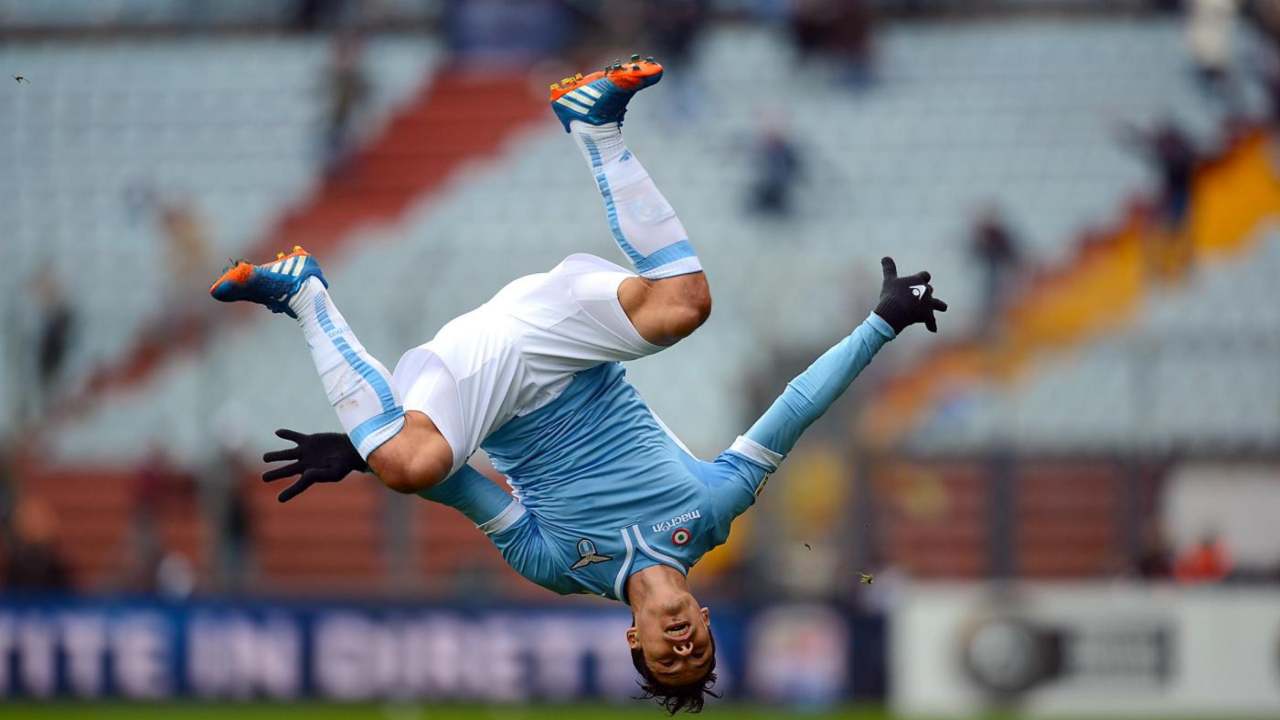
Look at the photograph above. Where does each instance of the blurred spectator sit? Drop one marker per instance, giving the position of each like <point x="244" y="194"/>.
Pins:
<point x="1210" y="29"/>
<point x="1268" y="73"/>
<point x="506" y="31"/>
<point x="1175" y="157"/>
<point x="778" y="168"/>
<point x="8" y="484"/>
<point x="347" y="91"/>
<point x="1205" y="562"/>
<point x="55" y="332"/>
<point x="675" y="27"/>
<point x="159" y="483"/>
<point x="311" y="15"/>
<point x="1171" y="152"/>
<point x="1265" y="15"/>
<point x="237" y="536"/>
<point x="840" y="30"/>
<point x="42" y="334"/>
<point x="34" y="561"/>
<point x="227" y="482"/>
<point x="175" y="577"/>
<point x="189" y="262"/>
<point x="1266" y="67"/>
<point x="996" y="249"/>
<point x="1155" y="559"/>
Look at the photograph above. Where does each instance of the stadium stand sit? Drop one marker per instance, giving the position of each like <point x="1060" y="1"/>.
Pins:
<point x="897" y="170"/>
<point x="910" y="162"/>
<point x="1148" y="363"/>
<point x="94" y="149"/>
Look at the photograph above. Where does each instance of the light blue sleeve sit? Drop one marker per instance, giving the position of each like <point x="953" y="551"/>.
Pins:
<point x="470" y="493"/>
<point x="509" y="527"/>
<point x="733" y="482"/>
<point x="813" y="391"/>
<point x="806" y="398"/>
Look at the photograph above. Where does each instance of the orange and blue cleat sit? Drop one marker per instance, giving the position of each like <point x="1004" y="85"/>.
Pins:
<point x="271" y="284"/>
<point x="601" y="97"/>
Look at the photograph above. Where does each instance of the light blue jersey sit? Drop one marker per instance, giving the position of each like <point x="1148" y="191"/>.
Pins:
<point x="604" y="491"/>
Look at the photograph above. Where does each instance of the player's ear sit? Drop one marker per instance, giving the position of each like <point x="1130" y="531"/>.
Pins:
<point x="633" y="638"/>
<point x="706" y="615"/>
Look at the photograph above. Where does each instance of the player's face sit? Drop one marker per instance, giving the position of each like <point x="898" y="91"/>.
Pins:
<point x="675" y="637"/>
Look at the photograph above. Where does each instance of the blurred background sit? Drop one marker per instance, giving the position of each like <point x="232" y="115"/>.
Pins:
<point x="1065" y="503"/>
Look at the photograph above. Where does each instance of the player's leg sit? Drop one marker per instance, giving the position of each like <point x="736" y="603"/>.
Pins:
<point x="641" y="220"/>
<point x="671" y="297"/>
<point x="358" y="386"/>
<point x="666" y="311"/>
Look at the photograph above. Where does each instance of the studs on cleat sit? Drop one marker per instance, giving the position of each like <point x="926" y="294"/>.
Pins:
<point x="279" y="256"/>
<point x="635" y="67"/>
<point x="555" y="86"/>
<point x="650" y="59"/>
<point x="298" y="249"/>
<point x="566" y="81"/>
<point x="578" y="76"/>
<point x="635" y="57"/>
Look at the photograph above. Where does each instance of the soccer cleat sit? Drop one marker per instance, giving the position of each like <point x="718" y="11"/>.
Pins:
<point x="270" y="284"/>
<point x="601" y="97"/>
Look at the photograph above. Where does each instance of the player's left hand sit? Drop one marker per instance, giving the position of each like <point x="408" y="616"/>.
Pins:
<point x="317" y="458"/>
<point x="908" y="300"/>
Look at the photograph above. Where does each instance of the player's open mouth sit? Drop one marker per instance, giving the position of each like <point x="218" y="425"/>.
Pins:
<point x="679" y="628"/>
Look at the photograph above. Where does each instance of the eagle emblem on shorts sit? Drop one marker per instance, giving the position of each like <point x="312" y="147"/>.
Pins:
<point x="587" y="555"/>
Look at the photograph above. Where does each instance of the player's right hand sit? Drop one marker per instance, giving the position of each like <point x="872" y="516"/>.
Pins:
<point x="907" y="301"/>
<point x="317" y="458"/>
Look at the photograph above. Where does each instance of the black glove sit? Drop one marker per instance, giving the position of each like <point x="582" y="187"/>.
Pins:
<point x="906" y="301"/>
<point x="318" y="458"/>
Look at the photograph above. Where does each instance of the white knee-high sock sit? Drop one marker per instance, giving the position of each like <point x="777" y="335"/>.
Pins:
<point x="358" y="386"/>
<point x="643" y="223"/>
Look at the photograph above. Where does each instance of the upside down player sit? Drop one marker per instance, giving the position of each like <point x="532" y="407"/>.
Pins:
<point x="607" y="501"/>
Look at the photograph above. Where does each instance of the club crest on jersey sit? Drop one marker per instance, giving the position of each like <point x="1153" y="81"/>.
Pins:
<point x="587" y="555"/>
<point x="681" y="536"/>
<point x="676" y="521"/>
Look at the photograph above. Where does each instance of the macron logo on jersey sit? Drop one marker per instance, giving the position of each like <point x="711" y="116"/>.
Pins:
<point x="676" y="521"/>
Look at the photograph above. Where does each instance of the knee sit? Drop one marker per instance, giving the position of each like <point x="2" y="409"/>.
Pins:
<point x="412" y="461"/>
<point x="410" y="476"/>
<point x="692" y="305"/>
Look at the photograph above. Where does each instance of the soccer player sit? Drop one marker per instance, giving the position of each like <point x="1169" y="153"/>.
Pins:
<point x="606" y="500"/>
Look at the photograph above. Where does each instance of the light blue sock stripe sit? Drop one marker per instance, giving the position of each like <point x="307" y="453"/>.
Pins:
<point x="362" y="431"/>
<point x="371" y="376"/>
<point x="602" y="182"/>
<point x="668" y="254"/>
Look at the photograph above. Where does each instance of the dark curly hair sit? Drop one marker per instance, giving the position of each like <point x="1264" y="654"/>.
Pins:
<point x="674" y="698"/>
